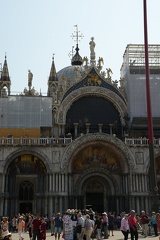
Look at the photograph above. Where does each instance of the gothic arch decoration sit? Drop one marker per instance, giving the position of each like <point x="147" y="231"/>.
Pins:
<point x="117" y="146"/>
<point x="38" y="160"/>
<point x="91" y="90"/>
<point x="101" y="174"/>
<point x="26" y="190"/>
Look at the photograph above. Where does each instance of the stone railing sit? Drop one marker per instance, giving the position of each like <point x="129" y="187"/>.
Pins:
<point x="141" y="141"/>
<point x="33" y="141"/>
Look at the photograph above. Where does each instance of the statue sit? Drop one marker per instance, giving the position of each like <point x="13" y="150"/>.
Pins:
<point x="109" y="72"/>
<point x="100" y="62"/>
<point x="85" y="59"/>
<point x="92" y="46"/>
<point x="30" y="77"/>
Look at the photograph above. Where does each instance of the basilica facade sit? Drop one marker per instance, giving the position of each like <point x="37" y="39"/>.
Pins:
<point x="85" y="144"/>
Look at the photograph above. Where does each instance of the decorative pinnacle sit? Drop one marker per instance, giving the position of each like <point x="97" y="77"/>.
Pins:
<point x="77" y="35"/>
<point x="53" y="57"/>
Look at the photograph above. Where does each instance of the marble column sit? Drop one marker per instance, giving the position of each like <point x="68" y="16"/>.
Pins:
<point x="53" y="182"/>
<point x="70" y="184"/>
<point x="56" y="182"/>
<point x="100" y="127"/>
<point x="59" y="182"/>
<point x="87" y="127"/>
<point x="75" y="129"/>
<point x="50" y="182"/>
<point x="111" y="129"/>
<point x="62" y="182"/>
<point x="66" y="182"/>
<point x="60" y="204"/>
<point x="50" y="208"/>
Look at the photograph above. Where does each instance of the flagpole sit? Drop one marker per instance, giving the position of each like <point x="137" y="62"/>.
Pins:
<point x="152" y="170"/>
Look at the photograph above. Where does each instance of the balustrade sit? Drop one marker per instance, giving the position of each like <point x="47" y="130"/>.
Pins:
<point x="34" y="141"/>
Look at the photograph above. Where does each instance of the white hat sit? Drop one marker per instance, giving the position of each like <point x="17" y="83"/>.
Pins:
<point x="104" y="213"/>
<point x="6" y="233"/>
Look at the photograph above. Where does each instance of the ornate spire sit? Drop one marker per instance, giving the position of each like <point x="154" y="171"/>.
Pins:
<point x="5" y="81"/>
<point x="53" y="74"/>
<point x="77" y="59"/>
<point x="5" y="72"/>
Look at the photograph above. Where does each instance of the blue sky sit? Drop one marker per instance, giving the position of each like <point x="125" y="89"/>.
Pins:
<point x="32" y="30"/>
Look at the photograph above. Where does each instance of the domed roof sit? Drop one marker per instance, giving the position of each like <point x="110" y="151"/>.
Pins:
<point x="71" y="72"/>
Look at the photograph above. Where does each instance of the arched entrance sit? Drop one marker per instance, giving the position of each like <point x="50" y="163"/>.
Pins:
<point x="25" y="178"/>
<point x="94" y="192"/>
<point x="98" y="169"/>
<point x="26" y="193"/>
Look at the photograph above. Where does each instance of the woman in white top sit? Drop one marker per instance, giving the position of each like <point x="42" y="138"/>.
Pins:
<point x="125" y="226"/>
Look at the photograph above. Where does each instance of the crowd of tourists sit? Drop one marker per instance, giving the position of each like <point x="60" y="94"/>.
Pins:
<point x="80" y="225"/>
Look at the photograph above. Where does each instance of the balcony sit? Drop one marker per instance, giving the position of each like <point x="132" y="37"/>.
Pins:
<point x="34" y="141"/>
<point x="140" y="141"/>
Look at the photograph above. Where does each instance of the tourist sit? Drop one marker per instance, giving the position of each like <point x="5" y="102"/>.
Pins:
<point x="110" y="223"/>
<point x="58" y="225"/>
<point x="154" y="223"/>
<point x="52" y="224"/>
<point x="88" y="227"/>
<point x="80" y="226"/>
<point x="67" y="226"/>
<point x="125" y="226"/>
<point x="105" y="224"/>
<point x="98" y="227"/>
<point x="29" y="226"/>
<point x="42" y="227"/>
<point x="36" y="227"/>
<point x="133" y="225"/>
<point x="21" y="227"/>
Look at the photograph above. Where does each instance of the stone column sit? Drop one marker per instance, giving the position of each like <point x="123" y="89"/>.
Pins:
<point x="137" y="204"/>
<point x="50" y="208"/>
<point x="111" y="129"/>
<point x="56" y="182"/>
<point x="100" y="127"/>
<point x="62" y="182"/>
<point x="53" y="182"/>
<point x="66" y="182"/>
<point x="46" y="205"/>
<point x="87" y="127"/>
<point x="59" y="183"/>
<point x="47" y="176"/>
<point x="70" y="184"/>
<point x="75" y="129"/>
<point x="60" y="204"/>
<point x="50" y="182"/>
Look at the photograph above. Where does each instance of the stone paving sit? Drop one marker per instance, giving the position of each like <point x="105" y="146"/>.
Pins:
<point x="117" y="236"/>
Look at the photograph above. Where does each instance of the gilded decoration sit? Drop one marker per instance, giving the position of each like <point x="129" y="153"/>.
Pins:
<point x="27" y="164"/>
<point x="96" y="156"/>
<point x="93" y="79"/>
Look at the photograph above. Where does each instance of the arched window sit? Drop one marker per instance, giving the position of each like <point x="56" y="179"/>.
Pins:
<point x="26" y="191"/>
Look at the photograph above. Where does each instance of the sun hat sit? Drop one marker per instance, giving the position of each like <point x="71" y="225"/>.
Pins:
<point x="6" y="233"/>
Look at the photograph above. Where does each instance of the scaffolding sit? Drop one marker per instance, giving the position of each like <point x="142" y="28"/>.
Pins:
<point x="134" y="59"/>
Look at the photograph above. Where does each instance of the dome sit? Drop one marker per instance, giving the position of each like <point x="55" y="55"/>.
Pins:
<point x="71" y="72"/>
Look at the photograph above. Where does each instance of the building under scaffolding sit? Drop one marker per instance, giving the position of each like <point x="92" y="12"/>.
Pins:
<point x="85" y="144"/>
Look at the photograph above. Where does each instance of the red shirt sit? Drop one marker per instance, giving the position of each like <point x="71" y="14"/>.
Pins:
<point x="132" y="221"/>
<point x="36" y="223"/>
<point x="144" y="219"/>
